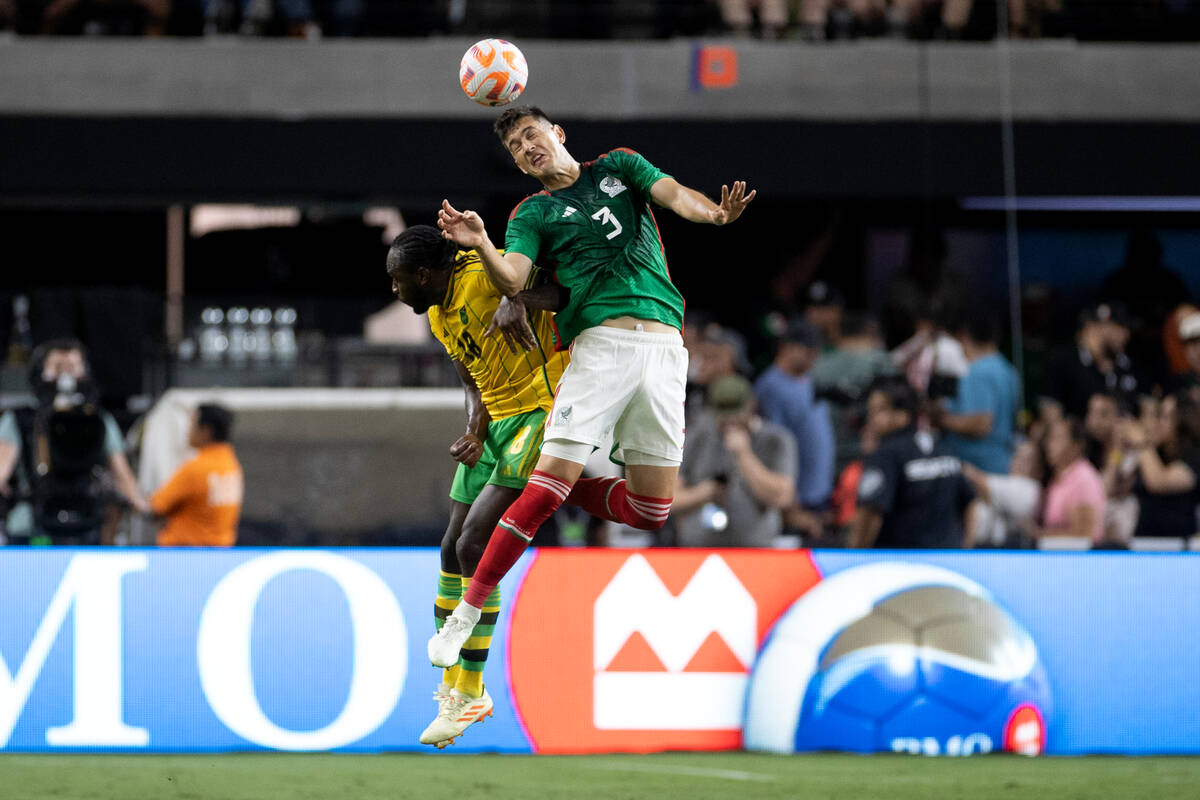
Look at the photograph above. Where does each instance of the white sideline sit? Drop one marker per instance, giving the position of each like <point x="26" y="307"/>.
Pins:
<point x="701" y="772"/>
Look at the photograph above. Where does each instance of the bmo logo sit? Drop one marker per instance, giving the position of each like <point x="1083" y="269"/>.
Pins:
<point x="649" y="643"/>
<point x="203" y="659"/>
<point x="609" y="634"/>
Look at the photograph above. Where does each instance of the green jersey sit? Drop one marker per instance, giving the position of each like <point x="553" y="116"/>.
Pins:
<point x="599" y="237"/>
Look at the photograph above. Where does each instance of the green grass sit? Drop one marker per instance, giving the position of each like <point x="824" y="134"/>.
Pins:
<point x="688" y="776"/>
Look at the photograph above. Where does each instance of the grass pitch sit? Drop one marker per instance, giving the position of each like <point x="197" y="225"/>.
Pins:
<point x="690" y="776"/>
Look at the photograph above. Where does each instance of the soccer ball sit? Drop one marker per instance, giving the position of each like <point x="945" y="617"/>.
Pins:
<point x="493" y="72"/>
<point x="897" y="657"/>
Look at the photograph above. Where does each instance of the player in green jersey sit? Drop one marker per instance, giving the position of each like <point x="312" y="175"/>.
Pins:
<point x="593" y="226"/>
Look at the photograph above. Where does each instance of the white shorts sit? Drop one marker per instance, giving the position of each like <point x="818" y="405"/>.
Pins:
<point x="628" y="383"/>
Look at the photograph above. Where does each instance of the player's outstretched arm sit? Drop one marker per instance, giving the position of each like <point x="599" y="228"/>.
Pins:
<point x="508" y="272"/>
<point x="695" y="207"/>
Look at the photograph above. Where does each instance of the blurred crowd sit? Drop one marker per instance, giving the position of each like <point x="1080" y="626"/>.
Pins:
<point x="811" y="20"/>
<point x="935" y="442"/>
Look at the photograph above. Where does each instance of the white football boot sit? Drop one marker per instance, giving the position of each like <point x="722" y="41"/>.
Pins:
<point x="445" y="645"/>
<point x="456" y="713"/>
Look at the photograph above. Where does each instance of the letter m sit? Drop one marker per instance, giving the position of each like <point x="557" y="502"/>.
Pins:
<point x="92" y="586"/>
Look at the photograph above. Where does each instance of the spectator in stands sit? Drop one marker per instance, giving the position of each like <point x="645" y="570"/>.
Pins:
<point x="123" y="17"/>
<point x="738" y="16"/>
<point x="912" y="492"/>
<point x="1075" y="498"/>
<point x="786" y="397"/>
<point x="31" y="471"/>
<point x="1148" y="290"/>
<point x="1173" y="345"/>
<point x="1095" y="364"/>
<point x="203" y="499"/>
<point x="1189" y="335"/>
<point x="1100" y="425"/>
<point x="1167" y="450"/>
<point x="306" y="19"/>
<point x="979" y="421"/>
<point x="823" y="309"/>
<point x="737" y="475"/>
<point x="843" y="376"/>
<point x="1006" y="505"/>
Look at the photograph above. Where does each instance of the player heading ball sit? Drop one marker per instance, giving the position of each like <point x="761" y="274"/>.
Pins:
<point x="592" y="224"/>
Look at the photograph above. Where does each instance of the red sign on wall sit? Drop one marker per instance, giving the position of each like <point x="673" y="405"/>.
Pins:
<point x="644" y="651"/>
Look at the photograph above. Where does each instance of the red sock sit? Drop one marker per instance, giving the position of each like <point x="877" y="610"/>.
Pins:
<point x="608" y="498"/>
<point x="542" y="496"/>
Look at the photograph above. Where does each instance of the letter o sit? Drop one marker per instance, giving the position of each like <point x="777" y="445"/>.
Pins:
<point x="380" y="659"/>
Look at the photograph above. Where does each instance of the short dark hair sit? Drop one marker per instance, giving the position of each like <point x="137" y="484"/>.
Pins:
<point x="218" y="420"/>
<point x="421" y="246"/>
<point x="857" y="323"/>
<point x="900" y="394"/>
<point x="980" y="328"/>
<point x="37" y="359"/>
<point x="509" y="119"/>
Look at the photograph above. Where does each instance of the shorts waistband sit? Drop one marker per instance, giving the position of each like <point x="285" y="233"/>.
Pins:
<point x="623" y="335"/>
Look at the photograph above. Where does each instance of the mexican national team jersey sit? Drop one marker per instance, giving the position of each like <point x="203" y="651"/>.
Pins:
<point x="509" y="384"/>
<point x="600" y="238"/>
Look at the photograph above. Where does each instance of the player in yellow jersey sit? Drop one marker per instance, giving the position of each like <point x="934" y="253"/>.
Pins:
<point x="509" y="392"/>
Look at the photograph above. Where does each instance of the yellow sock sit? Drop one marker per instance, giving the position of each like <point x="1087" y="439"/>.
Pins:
<point x="475" y="651"/>
<point x="449" y="593"/>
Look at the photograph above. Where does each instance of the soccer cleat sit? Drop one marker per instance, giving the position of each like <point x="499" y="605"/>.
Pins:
<point x="446" y="644"/>
<point x="456" y="713"/>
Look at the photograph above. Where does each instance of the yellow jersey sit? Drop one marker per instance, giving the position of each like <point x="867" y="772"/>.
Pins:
<point x="509" y="383"/>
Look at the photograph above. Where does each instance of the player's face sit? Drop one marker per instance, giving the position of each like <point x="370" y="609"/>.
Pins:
<point x="411" y="289"/>
<point x="536" y="146"/>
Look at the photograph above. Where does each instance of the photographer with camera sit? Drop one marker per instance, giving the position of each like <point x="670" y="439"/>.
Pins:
<point x="62" y="462"/>
<point x="738" y="473"/>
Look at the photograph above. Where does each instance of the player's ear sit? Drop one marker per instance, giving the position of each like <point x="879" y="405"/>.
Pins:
<point x="560" y="133"/>
<point x="423" y="276"/>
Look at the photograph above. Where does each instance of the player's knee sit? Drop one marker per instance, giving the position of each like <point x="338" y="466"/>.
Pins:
<point x="470" y="546"/>
<point x="449" y="544"/>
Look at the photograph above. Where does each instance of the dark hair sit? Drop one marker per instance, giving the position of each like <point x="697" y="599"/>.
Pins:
<point x="856" y="323"/>
<point x="980" y="328"/>
<point x="1187" y="424"/>
<point x="509" y="119"/>
<point x="218" y="420"/>
<point x="37" y="359"/>
<point x="421" y="246"/>
<point x="1076" y="430"/>
<point x="900" y="394"/>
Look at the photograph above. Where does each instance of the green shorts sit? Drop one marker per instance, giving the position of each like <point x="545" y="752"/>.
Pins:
<point x="510" y="453"/>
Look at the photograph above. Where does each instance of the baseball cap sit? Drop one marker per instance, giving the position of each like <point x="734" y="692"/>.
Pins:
<point x="822" y="293"/>
<point x="729" y="395"/>
<point x="1189" y="327"/>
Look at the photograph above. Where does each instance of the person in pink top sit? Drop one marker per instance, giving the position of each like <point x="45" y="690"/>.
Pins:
<point x="1075" y="498"/>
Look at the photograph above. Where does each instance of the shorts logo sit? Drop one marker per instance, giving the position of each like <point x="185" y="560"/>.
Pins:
<point x="565" y="414"/>
<point x="611" y="186"/>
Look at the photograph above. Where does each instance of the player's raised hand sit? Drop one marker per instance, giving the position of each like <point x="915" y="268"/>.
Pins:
<point x="467" y="450"/>
<point x="464" y="227"/>
<point x="510" y="321"/>
<point x="733" y="203"/>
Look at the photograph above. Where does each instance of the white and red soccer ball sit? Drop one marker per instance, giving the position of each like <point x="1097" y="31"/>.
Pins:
<point x="493" y="72"/>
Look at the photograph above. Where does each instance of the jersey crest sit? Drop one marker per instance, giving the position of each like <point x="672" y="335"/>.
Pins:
<point x="611" y="186"/>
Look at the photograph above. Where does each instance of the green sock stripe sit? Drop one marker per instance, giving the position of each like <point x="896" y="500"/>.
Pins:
<point x="483" y="630"/>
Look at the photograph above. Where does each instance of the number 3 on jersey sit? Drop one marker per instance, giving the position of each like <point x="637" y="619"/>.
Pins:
<point x="604" y="215"/>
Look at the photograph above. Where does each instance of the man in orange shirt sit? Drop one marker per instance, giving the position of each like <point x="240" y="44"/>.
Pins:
<point x="203" y="500"/>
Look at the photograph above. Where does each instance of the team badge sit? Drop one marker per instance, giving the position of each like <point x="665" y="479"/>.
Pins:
<point x="611" y="186"/>
<point x="462" y="315"/>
